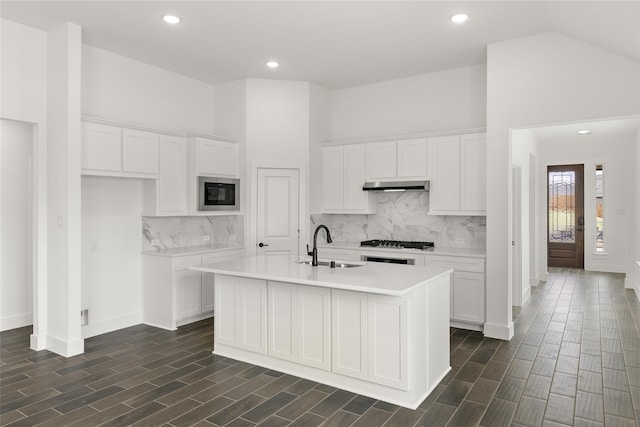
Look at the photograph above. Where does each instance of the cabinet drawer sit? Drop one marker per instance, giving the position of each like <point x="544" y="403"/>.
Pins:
<point x="186" y="262"/>
<point x="455" y="263"/>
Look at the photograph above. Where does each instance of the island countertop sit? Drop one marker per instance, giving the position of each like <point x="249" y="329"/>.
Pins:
<point x="375" y="278"/>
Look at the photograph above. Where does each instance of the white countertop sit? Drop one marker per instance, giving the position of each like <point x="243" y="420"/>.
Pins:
<point x="462" y="252"/>
<point x="376" y="278"/>
<point x="192" y="250"/>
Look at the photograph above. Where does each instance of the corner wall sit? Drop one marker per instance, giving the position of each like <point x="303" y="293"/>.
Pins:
<point x="531" y="81"/>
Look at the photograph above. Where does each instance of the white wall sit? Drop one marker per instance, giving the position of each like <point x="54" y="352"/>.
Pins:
<point x="122" y="89"/>
<point x="619" y="197"/>
<point x="542" y="79"/>
<point x="447" y="100"/>
<point x="111" y="260"/>
<point x="635" y="279"/>
<point x="319" y="132"/>
<point x="16" y="260"/>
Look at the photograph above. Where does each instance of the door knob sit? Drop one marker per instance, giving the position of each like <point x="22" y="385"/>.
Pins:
<point x="262" y="244"/>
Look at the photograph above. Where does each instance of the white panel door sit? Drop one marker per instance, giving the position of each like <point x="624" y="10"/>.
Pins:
<point x="282" y="315"/>
<point x="412" y="158"/>
<point x="139" y="151"/>
<point x="388" y="341"/>
<point x="349" y="344"/>
<point x="188" y="296"/>
<point x="278" y="211"/>
<point x="251" y="312"/>
<point x="354" y="177"/>
<point x="381" y="161"/>
<point x="172" y="176"/>
<point x="473" y="172"/>
<point x="468" y="297"/>
<point x="445" y="173"/>
<point x="332" y="178"/>
<point x="101" y="147"/>
<point x="314" y="326"/>
<point x="226" y="308"/>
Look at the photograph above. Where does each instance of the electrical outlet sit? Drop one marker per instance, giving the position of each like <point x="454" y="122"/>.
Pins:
<point x="206" y="238"/>
<point x="459" y="240"/>
<point x="155" y="242"/>
<point x="232" y="238"/>
<point x="84" y="317"/>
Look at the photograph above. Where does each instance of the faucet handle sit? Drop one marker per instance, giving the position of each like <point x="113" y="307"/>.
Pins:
<point x="310" y="253"/>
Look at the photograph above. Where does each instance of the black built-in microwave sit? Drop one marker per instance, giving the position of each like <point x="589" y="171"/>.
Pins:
<point x="218" y="194"/>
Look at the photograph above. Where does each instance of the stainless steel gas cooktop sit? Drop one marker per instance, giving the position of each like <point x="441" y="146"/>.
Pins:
<point x="396" y="244"/>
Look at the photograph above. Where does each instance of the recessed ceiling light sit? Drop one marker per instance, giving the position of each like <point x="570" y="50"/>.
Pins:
<point x="459" y="18"/>
<point x="272" y="64"/>
<point x="584" y="132"/>
<point x="171" y="19"/>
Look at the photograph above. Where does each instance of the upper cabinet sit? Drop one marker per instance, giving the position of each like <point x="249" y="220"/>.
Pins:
<point x="458" y="174"/>
<point x="166" y="196"/>
<point x="343" y="175"/>
<point x="397" y="160"/>
<point x="209" y="157"/>
<point x="115" y="151"/>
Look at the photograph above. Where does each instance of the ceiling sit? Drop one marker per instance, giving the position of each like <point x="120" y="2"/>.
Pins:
<point x="335" y="44"/>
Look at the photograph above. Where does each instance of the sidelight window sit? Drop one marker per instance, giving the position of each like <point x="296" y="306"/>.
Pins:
<point x="599" y="209"/>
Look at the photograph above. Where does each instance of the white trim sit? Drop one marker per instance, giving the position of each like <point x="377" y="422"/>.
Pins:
<point x="404" y="136"/>
<point x="16" y="321"/>
<point x="501" y="332"/>
<point x="65" y="348"/>
<point x="110" y="325"/>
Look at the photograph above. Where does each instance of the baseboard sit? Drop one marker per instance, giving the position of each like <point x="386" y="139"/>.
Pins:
<point x="534" y="281"/>
<point x="65" y="348"/>
<point x="501" y="332"/>
<point x="38" y="342"/>
<point x="526" y="294"/>
<point x="17" y="321"/>
<point x="110" y="325"/>
<point x="464" y="325"/>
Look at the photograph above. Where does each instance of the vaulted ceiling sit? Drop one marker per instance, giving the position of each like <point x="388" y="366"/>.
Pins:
<point x="335" y="44"/>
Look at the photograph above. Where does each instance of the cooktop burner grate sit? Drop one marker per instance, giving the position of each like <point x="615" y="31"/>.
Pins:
<point x="396" y="244"/>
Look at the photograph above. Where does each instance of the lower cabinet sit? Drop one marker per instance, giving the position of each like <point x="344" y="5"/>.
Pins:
<point x="369" y="337"/>
<point x="188" y="294"/>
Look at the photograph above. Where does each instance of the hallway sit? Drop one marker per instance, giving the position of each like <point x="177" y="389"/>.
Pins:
<point x="574" y="360"/>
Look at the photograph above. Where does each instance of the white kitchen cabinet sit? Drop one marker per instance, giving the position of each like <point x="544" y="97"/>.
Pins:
<point x="349" y="332"/>
<point x="101" y="148"/>
<point x="210" y="157"/>
<point x="387" y="340"/>
<point x="467" y="293"/>
<point x="299" y="324"/>
<point x="343" y="175"/>
<point x="242" y="321"/>
<point x="397" y="160"/>
<point x="166" y="196"/>
<point x="115" y="151"/>
<point x="139" y="151"/>
<point x="174" y="295"/>
<point x="458" y="174"/>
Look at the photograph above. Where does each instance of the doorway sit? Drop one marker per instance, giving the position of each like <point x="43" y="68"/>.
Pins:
<point x="565" y="216"/>
<point x="278" y="211"/>
<point x="516" y="236"/>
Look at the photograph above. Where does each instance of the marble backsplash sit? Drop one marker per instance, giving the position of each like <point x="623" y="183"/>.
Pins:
<point x="403" y="216"/>
<point x="183" y="231"/>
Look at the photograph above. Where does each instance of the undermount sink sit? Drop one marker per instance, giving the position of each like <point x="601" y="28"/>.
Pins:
<point x="339" y="264"/>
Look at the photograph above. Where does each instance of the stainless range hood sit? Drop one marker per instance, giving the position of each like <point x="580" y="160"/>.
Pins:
<point x="396" y="186"/>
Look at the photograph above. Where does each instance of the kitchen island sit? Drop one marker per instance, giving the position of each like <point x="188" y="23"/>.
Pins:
<point x="374" y="329"/>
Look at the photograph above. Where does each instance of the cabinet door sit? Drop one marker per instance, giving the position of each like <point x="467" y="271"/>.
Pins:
<point x="412" y="159"/>
<point x="381" y="160"/>
<point x="208" y="156"/>
<point x="282" y="318"/>
<point x="445" y="173"/>
<point x="172" y="175"/>
<point x="139" y="151"/>
<point x="187" y="294"/>
<point x="473" y="172"/>
<point x="101" y="147"/>
<point x="354" y="177"/>
<point x="349" y="343"/>
<point x="314" y="327"/>
<point x="388" y="359"/>
<point x="332" y="178"/>
<point x="251" y="312"/>
<point x="226" y="309"/>
<point x="229" y="159"/>
<point x="468" y="297"/>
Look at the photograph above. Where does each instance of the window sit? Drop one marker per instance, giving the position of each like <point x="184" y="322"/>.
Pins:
<point x="599" y="209"/>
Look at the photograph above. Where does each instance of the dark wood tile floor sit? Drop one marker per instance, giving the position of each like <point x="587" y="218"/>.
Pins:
<point x="574" y="360"/>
